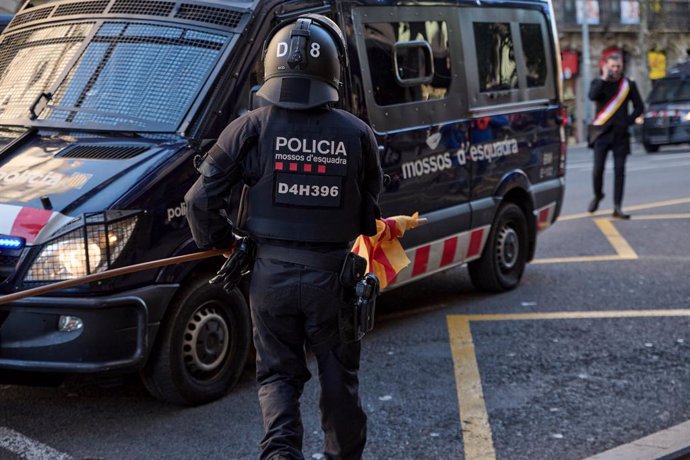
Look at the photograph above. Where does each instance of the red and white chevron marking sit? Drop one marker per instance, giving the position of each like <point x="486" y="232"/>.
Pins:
<point x="442" y="254"/>
<point x="545" y="216"/>
<point x="32" y="224"/>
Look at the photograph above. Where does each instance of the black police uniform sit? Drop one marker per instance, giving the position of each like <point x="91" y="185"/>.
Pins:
<point x="314" y="178"/>
<point x="615" y="136"/>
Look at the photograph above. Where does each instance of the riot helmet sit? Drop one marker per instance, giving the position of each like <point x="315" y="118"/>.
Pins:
<point x="302" y="63"/>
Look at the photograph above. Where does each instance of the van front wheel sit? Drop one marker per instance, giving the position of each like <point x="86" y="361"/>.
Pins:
<point x="504" y="258"/>
<point x="202" y="346"/>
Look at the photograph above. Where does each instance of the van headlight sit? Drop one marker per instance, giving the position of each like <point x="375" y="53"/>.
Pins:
<point x="90" y="248"/>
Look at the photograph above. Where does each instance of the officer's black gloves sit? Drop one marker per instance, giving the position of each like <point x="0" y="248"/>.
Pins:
<point x="238" y="264"/>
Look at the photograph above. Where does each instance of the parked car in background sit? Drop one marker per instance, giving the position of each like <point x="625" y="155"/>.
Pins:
<point x="667" y="120"/>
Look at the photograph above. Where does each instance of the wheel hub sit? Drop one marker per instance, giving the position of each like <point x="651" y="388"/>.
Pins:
<point x="206" y="340"/>
<point x="508" y="248"/>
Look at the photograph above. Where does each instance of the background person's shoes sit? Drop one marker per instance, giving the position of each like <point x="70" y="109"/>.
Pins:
<point x="594" y="204"/>
<point x="619" y="214"/>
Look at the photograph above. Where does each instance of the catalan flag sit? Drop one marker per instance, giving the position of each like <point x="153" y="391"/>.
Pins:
<point x="384" y="253"/>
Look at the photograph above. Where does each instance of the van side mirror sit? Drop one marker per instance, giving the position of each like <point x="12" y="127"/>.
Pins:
<point x="256" y="101"/>
<point x="413" y="62"/>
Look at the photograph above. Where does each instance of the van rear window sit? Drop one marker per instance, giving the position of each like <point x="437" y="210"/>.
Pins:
<point x="535" y="56"/>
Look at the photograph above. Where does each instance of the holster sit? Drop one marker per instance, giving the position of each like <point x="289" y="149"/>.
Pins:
<point x="356" y="316"/>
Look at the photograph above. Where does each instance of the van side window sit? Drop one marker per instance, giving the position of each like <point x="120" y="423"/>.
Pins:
<point x="495" y="56"/>
<point x="510" y="58"/>
<point x="535" y="56"/>
<point x="380" y="38"/>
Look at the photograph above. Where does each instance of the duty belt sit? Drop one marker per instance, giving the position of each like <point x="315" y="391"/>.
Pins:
<point x="304" y="257"/>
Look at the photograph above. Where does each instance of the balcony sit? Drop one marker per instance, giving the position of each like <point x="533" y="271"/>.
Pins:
<point x="662" y="16"/>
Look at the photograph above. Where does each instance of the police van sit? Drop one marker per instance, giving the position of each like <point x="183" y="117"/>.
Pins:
<point x="105" y="103"/>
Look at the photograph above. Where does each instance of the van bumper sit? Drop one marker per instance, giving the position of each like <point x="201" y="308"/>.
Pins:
<point x="116" y="334"/>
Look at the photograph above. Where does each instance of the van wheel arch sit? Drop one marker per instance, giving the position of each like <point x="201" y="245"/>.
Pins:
<point x="521" y="198"/>
<point x="503" y="260"/>
<point x="202" y="345"/>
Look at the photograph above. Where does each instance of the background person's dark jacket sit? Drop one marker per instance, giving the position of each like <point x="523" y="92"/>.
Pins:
<point x="601" y="92"/>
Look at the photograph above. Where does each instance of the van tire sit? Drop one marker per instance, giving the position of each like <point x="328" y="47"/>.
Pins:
<point x="178" y="371"/>
<point x="503" y="261"/>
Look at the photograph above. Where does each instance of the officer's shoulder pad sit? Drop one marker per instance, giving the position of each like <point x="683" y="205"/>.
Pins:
<point x="350" y="117"/>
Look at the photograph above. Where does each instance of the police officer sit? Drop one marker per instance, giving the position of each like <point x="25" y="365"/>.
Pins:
<point x="314" y="179"/>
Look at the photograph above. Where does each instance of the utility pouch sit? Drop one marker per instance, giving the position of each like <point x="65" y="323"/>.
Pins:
<point x="353" y="270"/>
<point x="237" y="265"/>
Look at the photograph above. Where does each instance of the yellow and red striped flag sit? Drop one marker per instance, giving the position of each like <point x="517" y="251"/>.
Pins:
<point x="384" y="253"/>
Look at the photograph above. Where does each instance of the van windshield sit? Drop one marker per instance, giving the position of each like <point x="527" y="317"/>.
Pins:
<point x="115" y="76"/>
<point x="670" y="90"/>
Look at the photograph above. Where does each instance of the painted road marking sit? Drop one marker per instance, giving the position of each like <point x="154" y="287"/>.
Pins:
<point x="474" y="419"/>
<point x="623" y="250"/>
<point x="27" y="448"/>
<point x="662" y="216"/>
<point x="637" y="207"/>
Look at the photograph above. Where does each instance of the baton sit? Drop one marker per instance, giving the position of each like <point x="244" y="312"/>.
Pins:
<point x="40" y="290"/>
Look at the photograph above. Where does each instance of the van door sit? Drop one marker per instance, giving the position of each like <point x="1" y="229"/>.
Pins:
<point x="511" y="85"/>
<point x="410" y="60"/>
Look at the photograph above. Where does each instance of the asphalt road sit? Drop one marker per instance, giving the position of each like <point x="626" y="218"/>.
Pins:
<point x="589" y="353"/>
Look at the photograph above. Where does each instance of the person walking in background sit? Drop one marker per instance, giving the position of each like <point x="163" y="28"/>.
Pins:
<point x="612" y="93"/>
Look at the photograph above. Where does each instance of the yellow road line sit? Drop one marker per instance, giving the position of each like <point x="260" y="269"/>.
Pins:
<point x="560" y="260"/>
<point x="624" y="250"/>
<point x="637" y="207"/>
<point x="474" y="419"/>
<point x="662" y="216"/>
<point x="576" y="315"/>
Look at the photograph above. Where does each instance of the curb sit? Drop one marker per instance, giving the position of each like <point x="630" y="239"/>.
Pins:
<point x="670" y="444"/>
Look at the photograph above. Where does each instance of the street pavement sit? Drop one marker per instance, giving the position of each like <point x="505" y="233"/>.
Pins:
<point x="589" y="353"/>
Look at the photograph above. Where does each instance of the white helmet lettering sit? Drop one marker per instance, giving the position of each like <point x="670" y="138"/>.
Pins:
<point x="281" y="49"/>
<point x="315" y="50"/>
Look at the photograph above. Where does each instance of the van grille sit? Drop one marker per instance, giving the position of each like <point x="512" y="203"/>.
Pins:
<point x="87" y="7"/>
<point x="227" y="17"/>
<point x="138" y="7"/>
<point x="220" y="16"/>
<point x="31" y="15"/>
<point x="103" y="152"/>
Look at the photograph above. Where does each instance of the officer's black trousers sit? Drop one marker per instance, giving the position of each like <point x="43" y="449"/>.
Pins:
<point x="619" y="144"/>
<point x="293" y="307"/>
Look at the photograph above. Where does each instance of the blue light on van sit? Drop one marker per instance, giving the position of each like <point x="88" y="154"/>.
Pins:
<point x="11" y="242"/>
